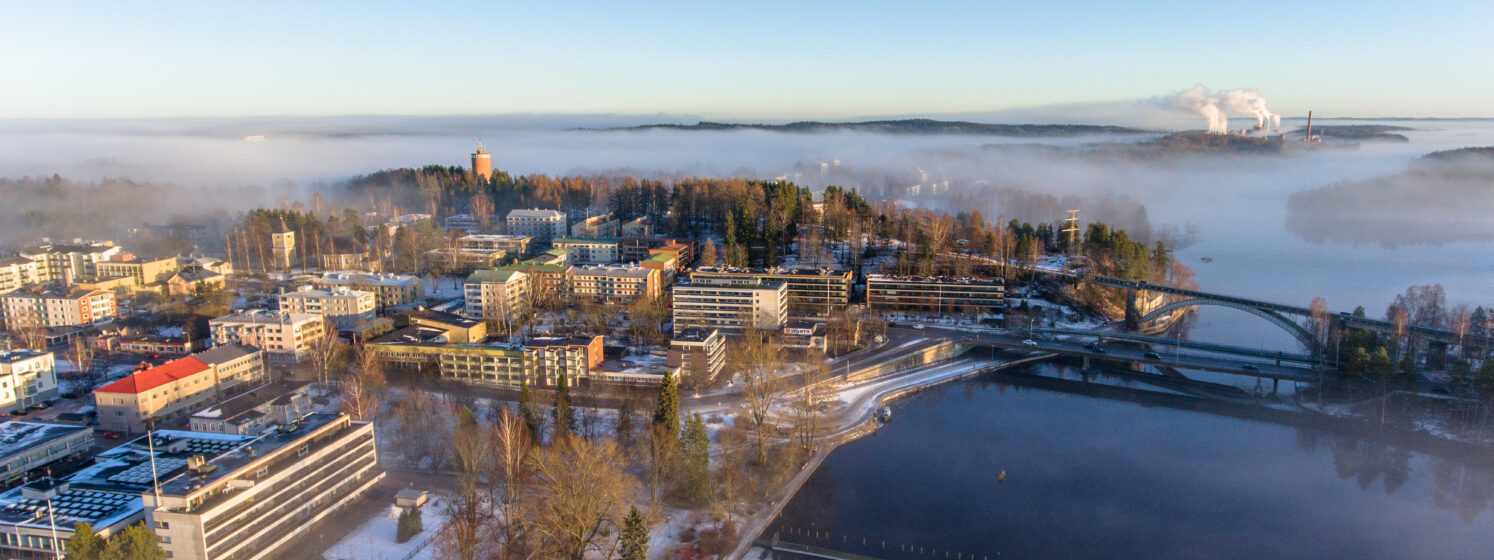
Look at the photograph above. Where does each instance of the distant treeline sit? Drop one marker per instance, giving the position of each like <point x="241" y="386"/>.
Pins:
<point x="908" y="126"/>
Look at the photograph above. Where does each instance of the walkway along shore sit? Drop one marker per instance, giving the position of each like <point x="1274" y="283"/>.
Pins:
<point x="862" y="424"/>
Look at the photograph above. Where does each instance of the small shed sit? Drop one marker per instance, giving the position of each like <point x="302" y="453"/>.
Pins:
<point x="410" y="498"/>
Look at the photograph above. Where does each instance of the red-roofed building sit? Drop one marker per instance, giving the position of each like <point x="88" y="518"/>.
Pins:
<point x="174" y="389"/>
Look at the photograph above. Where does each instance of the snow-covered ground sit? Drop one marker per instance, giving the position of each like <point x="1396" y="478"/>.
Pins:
<point x="374" y="540"/>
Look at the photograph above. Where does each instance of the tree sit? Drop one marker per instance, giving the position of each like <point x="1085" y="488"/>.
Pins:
<point x="634" y="544"/>
<point x="136" y="542"/>
<point x="758" y="357"/>
<point x="667" y="408"/>
<point x="507" y="472"/>
<point x="326" y="352"/>
<point x="565" y="416"/>
<point x="465" y="511"/>
<point x="409" y="525"/>
<point x="582" y="489"/>
<point x="85" y="544"/>
<point x="363" y="388"/>
<point x="806" y="406"/>
<point x="708" y="253"/>
<point x="696" y="450"/>
<point x="526" y="410"/>
<point x="663" y="457"/>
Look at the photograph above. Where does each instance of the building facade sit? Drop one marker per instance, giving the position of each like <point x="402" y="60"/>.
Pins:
<point x="285" y="337"/>
<point x="542" y="225"/>
<point x="345" y="307"/>
<point x="496" y="296"/>
<point x="57" y="307"/>
<point x="730" y="305"/>
<point x="27" y="448"/>
<point x="26" y="377"/>
<point x="596" y="226"/>
<point x="145" y="271"/>
<point x="66" y="263"/>
<point x="699" y="353"/>
<point x="813" y="293"/>
<point x="390" y="290"/>
<point x="583" y="250"/>
<point x="538" y="362"/>
<point x="935" y="294"/>
<point x="20" y="272"/>
<point x="513" y="245"/>
<point x="620" y="284"/>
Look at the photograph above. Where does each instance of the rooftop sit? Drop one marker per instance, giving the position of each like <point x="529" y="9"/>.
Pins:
<point x="494" y="237"/>
<point x="413" y="334"/>
<point x="266" y="317"/>
<point x="244" y="405"/>
<point x="492" y="275"/>
<point x="241" y="453"/>
<point x="17" y="437"/>
<point x="584" y="241"/>
<point x="548" y="341"/>
<point x="442" y="317"/>
<point x="8" y="261"/>
<point x="225" y="353"/>
<point x="365" y="278"/>
<point x="536" y="213"/>
<point x="695" y="334"/>
<point x="615" y="270"/>
<point x="779" y="271"/>
<point x="936" y="280"/>
<point x="169" y="372"/>
<point x="13" y="356"/>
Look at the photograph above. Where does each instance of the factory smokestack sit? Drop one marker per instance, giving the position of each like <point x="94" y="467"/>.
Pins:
<point x="1309" y="127"/>
<point x="1215" y="108"/>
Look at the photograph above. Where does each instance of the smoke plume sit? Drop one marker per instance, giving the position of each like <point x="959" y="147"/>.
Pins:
<point x="1215" y="107"/>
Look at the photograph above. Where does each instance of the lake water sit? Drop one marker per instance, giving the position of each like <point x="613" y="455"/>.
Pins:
<point x="1095" y="478"/>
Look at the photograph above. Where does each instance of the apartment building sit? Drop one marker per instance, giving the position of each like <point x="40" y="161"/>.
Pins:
<point x="66" y="263"/>
<point x="456" y="260"/>
<point x="699" y="353"/>
<point x="459" y="330"/>
<point x="145" y="272"/>
<point x="588" y="250"/>
<point x="285" y="337"/>
<point x="236" y="368"/>
<point x="539" y="361"/>
<point x="604" y="225"/>
<point x="730" y="305"/>
<point x="20" y="272"/>
<point x="542" y="225"/>
<point x="666" y="263"/>
<point x="637" y="249"/>
<point x="469" y="222"/>
<point x="548" y="283"/>
<point x="26" y="377"/>
<point x="249" y="502"/>
<point x="344" y="306"/>
<point x="636" y="227"/>
<point x="813" y="293"/>
<point x="513" y="245"/>
<point x="935" y="294"/>
<point x="619" y="284"/>
<point x="57" y="307"/>
<point x="496" y="295"/>
<point x="390" y="290"/>
<point x="27" y="448"/>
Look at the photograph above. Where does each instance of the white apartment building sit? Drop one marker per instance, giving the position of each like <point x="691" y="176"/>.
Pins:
<point x="496" y="295"/>
<point x="344" y="306"/>
<point x="542" y="225"/>
<point x="604" y="225"/>
<point x="581" y="250"/>
<point x="515" y="245"/>
<point x="285" y="337"/>
<point x="390" y="290"/>
<point x="26" y="376"/>
<point x="19" y="272"/>
<point x="613" y="283"/>
<point x="730" y="305"/>
<point x="57" y="308"/>
<point x="251" y="501"/>
<point x="75" y="262"/>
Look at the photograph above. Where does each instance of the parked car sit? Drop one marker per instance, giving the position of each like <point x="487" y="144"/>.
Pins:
<point x="1151" y="356"/>
<point x="18" y="412"/>
<point x="111" y="435"/>
<point x="1029" y="342"/>
<point x="918" y="326"/>
<point x="42" y="405"/>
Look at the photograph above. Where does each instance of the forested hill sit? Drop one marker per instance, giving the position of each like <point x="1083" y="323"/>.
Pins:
<point x="907" y="126"/>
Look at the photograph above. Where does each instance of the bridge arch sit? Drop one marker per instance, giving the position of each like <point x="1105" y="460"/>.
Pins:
<point x="1291" y="327"/>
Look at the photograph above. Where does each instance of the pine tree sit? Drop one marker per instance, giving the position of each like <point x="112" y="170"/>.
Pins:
<point x="526" y="410"/>
<point x="134" y="543"/>
<point x="634" y="545"/>
<point x="402" y="530"/>
<point x="708" y="253"/>
<point x="696" y="447"/>
<point x="85" y="544"/>
<point x="565" y="416"/>
<point x="667" y="410"/>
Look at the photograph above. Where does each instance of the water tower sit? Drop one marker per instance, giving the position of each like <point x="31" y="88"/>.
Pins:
<point x="482" y="162"/>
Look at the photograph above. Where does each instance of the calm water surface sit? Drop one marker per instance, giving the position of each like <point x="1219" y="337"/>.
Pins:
<point x="1094" y="478"/>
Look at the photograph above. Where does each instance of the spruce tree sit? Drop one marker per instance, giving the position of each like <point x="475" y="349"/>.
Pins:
<point x="667" y="409"/>
<point x="526" y="410"/>
<point x="402" y="532"/>
<point x="134" y="543"/>
<point x="85" y="544"/>
<point x="696" y="448"/>
<point x="634" y="545"/>
<point x="565" y="416"/>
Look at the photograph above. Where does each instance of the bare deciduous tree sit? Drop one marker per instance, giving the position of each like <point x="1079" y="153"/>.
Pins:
<point x="758" y="358"/>
<point x="363" y="388"/>
<point x="507" y="472"/>
<point x="583" y="490"/>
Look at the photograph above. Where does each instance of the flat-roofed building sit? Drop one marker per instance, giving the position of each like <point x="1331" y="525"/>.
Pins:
<point x="614" y="283"/>
<point x="272" y="404"/>
<point x="513" y="245"/>
<point x="470" y="222"/>
<point x="459" y="329"/>
<point x="636" y="227"/>
<point x="344" y="306"/>
<point x="33" y="307"/>
<point x="813" y="293"/>
<point x="604" y="225"/>
<point x="19" y="272"/>
<point x="250" y="502"/>
<point x="390" y="290"/>
<point x="539" y="361"/>
<point x="456" y="260"/>
<point x="730" y="305"/>
<point x="236" y="368"/>
<point x="26" y="377"/>
<point x="549" y="284"/>
<point x="66" y="263"/>
<point x="285" y="337"/>
<point x="935" y="294"/>
<point x="28" y="448"/>
<point x="699" y="353"/>
<point x="157" y="344"/>
<point x="496" y="296"/>
<point x="636" y="249"/>
<point x="146" y="272"/>
<point x="542" y="225"/>
<point x="667" y="264"/>
<point x="588" y="250"/>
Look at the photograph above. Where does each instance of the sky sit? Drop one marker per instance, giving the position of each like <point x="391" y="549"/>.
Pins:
<point x="733" y="61"/>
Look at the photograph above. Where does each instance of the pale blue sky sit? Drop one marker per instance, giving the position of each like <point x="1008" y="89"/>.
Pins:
<point x="764" y="60"/>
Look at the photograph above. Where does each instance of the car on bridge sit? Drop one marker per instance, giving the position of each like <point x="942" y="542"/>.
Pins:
<point x="1250" y="367"/>
<point x="1152" y="356"/>
<point x="1029" y="342"/>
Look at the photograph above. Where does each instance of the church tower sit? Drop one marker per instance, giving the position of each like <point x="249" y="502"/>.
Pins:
<point x="282" y="245"/>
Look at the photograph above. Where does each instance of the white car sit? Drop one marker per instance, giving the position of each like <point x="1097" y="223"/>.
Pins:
<point x="1029" y="342"/>
<point x="919" y="327"/>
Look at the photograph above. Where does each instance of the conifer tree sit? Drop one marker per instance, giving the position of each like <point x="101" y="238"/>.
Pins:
<point x="526" y="410"/>
<point x="696" y="447"/>
<point x="565" y="416"/>
<point x="667" y="409"/>
<point x="134" y="543"/>
<point x="634" y="545"/>
<point x="85" y="544"/>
